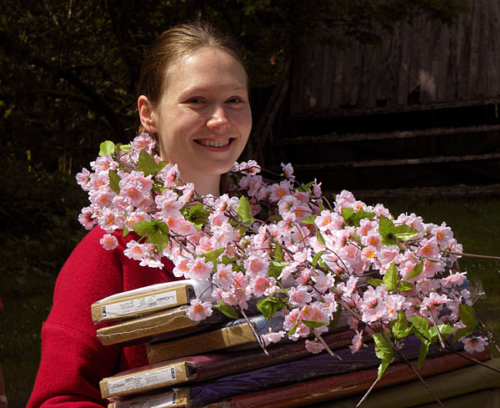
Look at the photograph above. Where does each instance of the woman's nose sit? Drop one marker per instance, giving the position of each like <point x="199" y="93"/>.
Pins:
<point x="218" y="119"/>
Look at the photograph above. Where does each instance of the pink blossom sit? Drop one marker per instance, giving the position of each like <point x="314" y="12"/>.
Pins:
<point x="143" y="142"/>
<point x="153" y="262"/>
<point x="316" y="188"/>
<point x="83" y="179"/>
<point x="443" y="235"/>
<point x="357" y="341"/>
<point x="314" y="347"/>
<point x="474" y="344"/>
<point x="171" y="177"/>
<point x="288" y="171"/>
<point x="86" y="218"/>
<point x="388" y="255"/>
<point x="255" y="265"/>
<point x="434" y="300"/>
<point x="428" y="249"/>
<point x="109" y="242"/>
<point x="224" y="276"/>
<point x="457" y="278"/>
<point x="199" y="310"/>
<point x="260" y="284"/>
<point x="272" y="337"/>
<point x="278" y="191"/>
<point x="104" y="163"/>
<point x="138" y="251"/>
<point x="200" y="270"/>
<point x="182" y="267"/>
<point x="369" y="253"/>
<point x="299" y="296"/>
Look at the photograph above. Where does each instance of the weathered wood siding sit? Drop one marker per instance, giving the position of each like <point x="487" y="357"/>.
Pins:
<point x="427" y="64"/>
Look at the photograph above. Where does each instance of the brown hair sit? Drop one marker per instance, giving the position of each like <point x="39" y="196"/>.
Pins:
<point x="175" y="44"/>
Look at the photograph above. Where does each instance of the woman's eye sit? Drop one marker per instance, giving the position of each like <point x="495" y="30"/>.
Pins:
<point x="195" y="100"/>
<point x="235" y="100"/>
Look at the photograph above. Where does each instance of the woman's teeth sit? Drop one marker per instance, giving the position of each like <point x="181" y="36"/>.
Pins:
<point x="214" y="143"/>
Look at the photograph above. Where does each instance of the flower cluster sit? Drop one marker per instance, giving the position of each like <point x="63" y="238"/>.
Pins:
<point x="283" y="244"/>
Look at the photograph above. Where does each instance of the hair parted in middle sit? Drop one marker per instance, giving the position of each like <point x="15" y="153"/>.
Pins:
<point x="175" y="44"/>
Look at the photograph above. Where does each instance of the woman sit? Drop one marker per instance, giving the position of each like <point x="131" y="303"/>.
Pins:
<point x="194" y="100"/>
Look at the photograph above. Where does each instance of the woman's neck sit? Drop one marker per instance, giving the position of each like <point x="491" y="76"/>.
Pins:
<point x="204" y="184"/>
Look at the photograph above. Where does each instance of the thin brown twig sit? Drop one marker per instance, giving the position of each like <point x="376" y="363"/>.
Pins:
<point x="368" y="392"/>
<point x="256" y="335"/>
<point x="405" y="360"/>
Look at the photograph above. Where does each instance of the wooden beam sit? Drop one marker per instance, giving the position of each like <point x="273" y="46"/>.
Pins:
<point x="395" y="162"/>
<point x="358" y="137"/>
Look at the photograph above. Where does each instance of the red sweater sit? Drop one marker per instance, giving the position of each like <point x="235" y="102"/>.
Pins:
<point x="73" y="359"/>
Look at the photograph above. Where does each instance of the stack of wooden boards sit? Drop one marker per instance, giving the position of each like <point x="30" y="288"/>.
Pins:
<point x="218" y="363"/>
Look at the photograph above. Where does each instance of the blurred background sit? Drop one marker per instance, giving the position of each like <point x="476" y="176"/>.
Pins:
<point x="396" y="100"/>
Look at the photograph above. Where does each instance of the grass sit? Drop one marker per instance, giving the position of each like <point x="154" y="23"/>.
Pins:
<point x="475" y="223"/>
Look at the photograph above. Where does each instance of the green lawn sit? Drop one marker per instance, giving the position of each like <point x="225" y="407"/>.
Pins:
<point x="475" y="222"/>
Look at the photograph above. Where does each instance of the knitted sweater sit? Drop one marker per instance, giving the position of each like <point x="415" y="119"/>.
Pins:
<point x="73" y="359"/>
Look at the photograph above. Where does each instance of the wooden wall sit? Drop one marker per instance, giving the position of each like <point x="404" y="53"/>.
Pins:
<point x="426" y="64"/>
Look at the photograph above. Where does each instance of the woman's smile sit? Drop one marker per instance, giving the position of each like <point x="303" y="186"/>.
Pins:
<point x="217" y="144"/>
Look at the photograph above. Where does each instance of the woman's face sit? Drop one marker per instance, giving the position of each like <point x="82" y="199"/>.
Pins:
<point x="203" y="117"/>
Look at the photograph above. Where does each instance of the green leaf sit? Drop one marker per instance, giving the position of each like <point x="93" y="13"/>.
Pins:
<point x="125" y="148"/>
<point x="420" y="327"/>
<point x="386" y="231"/>
<point x="384" y="351"/>
<point x="405" y="232"/>
<point x="212" y="256"/>
<point x="147" y="163"/>
<point x="114" y="181"/>
<point x="107" y="147"/>
<point x="386" y="226"/>
<point x="278" y="253"/>
<point x="375" y="282"/>
<point x="347" y="213"/>
<point x="445" y="330"/>
<point x="228" y="310"/>
<point x="354" y="220"/>
<point x="275" y="217"/>
<point x="309" y="220"/>
<point x="275" y="269"/>
<point x="244" y="210"/>
<point x="144" y="228"/>
<point x="468" y="316"/>
<point x="313" y="323"/>
<point x="125" y="231"/>
<point x="465" y="331"/>
<point x="305" y="188"/>
<point x="198" y="215"/>
<point x="405" y="286"/>
<point x="269" y="306"/>
<point x="316" y="258"/>
<point x="293" y="329"/>
<point x="320" y="238"/>
<point x="417" y="270"/>
<point x="423" y="350"/>
<point x="159" y="239"/>
<point x="391" y="278"/>
<point x="399" y="327"/>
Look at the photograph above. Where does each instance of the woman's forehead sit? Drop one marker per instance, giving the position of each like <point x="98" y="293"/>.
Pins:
<point x="206" y="64"/>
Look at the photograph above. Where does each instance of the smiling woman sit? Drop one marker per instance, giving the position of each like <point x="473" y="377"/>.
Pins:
<point x="202" y="118"/>
<point x="193" y="98"/>
<point x="196" y="103"/>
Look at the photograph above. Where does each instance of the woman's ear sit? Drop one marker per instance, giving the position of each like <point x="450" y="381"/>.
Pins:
<point x="147" y="114"/>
